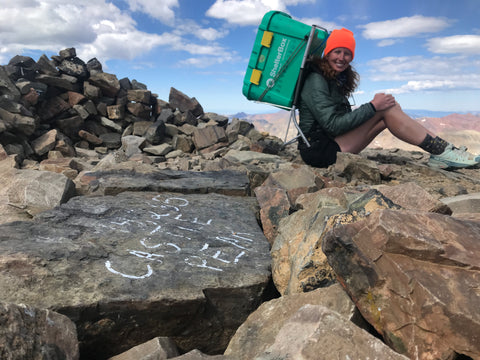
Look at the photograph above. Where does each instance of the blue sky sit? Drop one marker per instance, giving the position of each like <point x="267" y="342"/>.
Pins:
<point x="425" y="52"/>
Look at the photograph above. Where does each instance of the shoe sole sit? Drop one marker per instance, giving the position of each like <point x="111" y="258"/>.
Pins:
<point x="446" y="165"/>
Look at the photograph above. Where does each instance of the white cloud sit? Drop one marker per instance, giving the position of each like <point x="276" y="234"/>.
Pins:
<point x="125" y="45"/>
<point x="386" y="42"/>
<point x="329" y="25"/>
<point x="243" y="12"/>
<point x="404" y="27"/>
<point x="189" y="27"/>
<point x="248" y="12"/>
<point x="52" y="25"/>
<point x="98" y="29"/>
<point x="210" y="34"/>
<point x="203" y="62"/>
<point x="420" y="67"/>
<point x="461" y="44"/>
<point x="201" y="49"/>
<point x="426" y="74"/>
<point x="426" y="85"/>
<point x="161" y="10"/>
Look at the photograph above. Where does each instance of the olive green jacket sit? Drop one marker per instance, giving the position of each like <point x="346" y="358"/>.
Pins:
<point x="322" y="101"/>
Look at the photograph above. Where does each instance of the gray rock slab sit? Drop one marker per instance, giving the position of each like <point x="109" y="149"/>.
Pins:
<point x="111" y="182"/>
<point x="463" y="204"/>
<point x="131" y="267"/>
<point x="249" y="157"/>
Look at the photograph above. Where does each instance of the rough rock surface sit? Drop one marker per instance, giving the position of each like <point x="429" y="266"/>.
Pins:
<point x="261" y="328"/>
<point x="323" y="334"/>
<point x="298" y="263"/>
<point x="28" y="192"/>
<point x="134" y="266"/>
<point x="27" y="332"/>
<point x="414" y="276"/>
<point x="111" y="182"/>
<point x="158" y="348"/>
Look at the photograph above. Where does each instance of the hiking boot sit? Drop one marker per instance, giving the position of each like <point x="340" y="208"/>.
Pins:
<point x="454" y="157"/>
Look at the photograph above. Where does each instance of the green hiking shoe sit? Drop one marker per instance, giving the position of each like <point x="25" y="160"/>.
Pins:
<point x="454" y="157"/>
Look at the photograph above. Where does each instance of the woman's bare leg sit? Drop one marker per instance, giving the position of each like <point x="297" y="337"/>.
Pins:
<point x="394" y="119"/>
<point x="358" y="139"/>
<point x="404" y="127"/>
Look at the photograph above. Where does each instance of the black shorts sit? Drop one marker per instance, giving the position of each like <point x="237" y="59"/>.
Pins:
<point x="322" y="151"/>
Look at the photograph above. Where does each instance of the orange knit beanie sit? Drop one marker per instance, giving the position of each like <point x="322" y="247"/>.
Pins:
<point x="340" y="38"/>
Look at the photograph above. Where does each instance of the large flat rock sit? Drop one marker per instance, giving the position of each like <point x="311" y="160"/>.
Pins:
<point x="130" y="267"/>
<point x="112" y="182"/>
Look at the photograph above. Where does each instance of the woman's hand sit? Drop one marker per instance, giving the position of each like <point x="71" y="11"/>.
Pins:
<point x="383" y="101"/>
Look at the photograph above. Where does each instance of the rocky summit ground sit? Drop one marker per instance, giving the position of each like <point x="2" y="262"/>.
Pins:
<point x="138" y="228"/>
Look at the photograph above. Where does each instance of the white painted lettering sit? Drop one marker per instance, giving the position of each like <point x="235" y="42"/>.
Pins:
<point x="149" y="273"/>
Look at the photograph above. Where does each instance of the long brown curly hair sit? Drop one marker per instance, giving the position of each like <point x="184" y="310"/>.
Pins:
<point x="348" y="79"/>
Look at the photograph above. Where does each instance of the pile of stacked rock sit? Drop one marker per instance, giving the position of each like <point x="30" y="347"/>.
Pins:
<point x="63" y="105"/>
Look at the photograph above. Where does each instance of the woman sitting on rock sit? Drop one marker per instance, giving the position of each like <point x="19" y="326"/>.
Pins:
<point x="330" y="125"/>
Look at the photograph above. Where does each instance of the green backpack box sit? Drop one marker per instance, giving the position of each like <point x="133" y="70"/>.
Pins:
<point x="276" y="60"/>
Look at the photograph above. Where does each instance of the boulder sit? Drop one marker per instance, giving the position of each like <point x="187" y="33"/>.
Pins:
<point x="412" y="196"/>
<point x="91" y="138"/>
<point x="64" y="81"/>
<point x="45" y="143"/>
<point x="27" y="332"/>
<point x="414" y="276"/>
<point x="184" y="103"/>
<point x="159" y="348"/>
<point x="155" y="133"/>
<point x="298" y="263"/>
<point x="132" y="144"/>
<point x="274" y="206"/>
<point x="357" y="169"/>
<point x="17" y="123"/>
<point x="8" y="86"/>
<point x="71" y="126"/>
<point x="66" y="166"/>
<point x="317" y="333"/>
<point x="107" y="83"/>
<point x="162" y="149"/>
<point x="208" y="136"/>
<point x="46" y="66"/>
<point x="142" y="96"/>
<point x="73" y="66"/>
<point x="295" y="181"/>
<point x="140" y="110"/>
<point x="261" y="328"/>
<point x="139" y="265"/>
<point x="33" y="191"/>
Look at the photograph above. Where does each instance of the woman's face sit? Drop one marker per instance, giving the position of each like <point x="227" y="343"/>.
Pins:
<point x="339" y="59"/>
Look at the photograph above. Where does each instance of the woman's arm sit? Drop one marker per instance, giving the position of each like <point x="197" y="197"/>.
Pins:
<point x="330" y="110"/>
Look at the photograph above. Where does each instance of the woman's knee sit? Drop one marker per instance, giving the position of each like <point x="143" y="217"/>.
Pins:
<point x="395" y="109"/>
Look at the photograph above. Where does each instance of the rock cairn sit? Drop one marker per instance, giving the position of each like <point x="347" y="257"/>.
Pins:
<point x="61" y="107"/>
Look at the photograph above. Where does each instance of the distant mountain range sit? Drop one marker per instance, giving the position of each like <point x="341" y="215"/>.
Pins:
<point x="458" y="128"/>
<point x="413" y="113"/>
